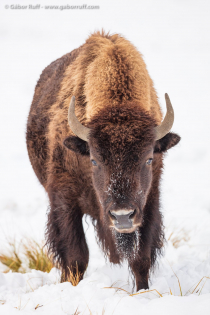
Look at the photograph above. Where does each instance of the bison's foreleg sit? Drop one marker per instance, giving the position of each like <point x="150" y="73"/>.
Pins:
<point x="140" y="268"/>
<point x="150" y="243"/>
<point x="65" y="237"/>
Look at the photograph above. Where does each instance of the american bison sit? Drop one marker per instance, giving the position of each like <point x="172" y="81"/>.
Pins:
<point x="101" y="155"/>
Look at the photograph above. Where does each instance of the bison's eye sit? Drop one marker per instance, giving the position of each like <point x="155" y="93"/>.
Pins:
<point x="149" y="161"/>
<point x="94" y="162"/>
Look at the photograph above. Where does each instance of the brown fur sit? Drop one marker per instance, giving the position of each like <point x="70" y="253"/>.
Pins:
<point x="115" y="97"/>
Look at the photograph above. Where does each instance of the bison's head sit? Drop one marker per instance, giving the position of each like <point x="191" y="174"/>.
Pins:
<point x="124" y="146"/>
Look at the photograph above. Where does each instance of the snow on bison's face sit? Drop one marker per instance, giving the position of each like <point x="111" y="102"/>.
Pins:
<point x="125" y="156"/>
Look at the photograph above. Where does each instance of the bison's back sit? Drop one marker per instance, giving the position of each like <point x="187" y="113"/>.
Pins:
<point x="45" y="95"/>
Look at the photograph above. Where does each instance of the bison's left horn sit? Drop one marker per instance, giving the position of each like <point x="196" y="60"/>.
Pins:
<point x="78" y="129"/>
<point x="167" y="123"/>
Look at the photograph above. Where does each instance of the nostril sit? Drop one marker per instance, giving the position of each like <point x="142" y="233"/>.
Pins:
<point x="132" y="215"/>
<point x="112" y="215"/>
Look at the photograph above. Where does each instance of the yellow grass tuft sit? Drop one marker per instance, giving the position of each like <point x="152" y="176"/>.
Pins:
<point x="37" y="257"/>
<point x="34" y="256"/>
<point x="74" y="277"/>
<point x="12" y="260"/>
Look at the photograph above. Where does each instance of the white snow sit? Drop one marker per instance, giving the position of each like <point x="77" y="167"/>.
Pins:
<point x="173" y="37"/>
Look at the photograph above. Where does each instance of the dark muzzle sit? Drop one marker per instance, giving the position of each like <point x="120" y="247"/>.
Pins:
<point x="123" y="219"/>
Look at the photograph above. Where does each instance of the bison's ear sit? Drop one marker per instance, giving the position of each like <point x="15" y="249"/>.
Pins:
<point x="77" y="145"/>
<point x="167" y="142"/>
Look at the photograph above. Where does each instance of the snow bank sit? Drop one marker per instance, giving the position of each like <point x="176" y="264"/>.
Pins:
<point x="41" y="292"/>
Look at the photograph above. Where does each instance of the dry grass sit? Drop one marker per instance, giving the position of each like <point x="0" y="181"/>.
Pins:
<point x="133" y="294"/>
<point x="37" y="257"/>
<point x="179" y="237"/>
<point x="12" y="260"/>
<point x="74" y="277"/>
<point x="90" y="313"/>
<point x="195" y="289"/>
<point x="34" y="256"/>
<point x="76" y="312"/>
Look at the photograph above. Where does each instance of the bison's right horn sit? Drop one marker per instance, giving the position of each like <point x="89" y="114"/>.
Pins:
<point x="78" y="129"/>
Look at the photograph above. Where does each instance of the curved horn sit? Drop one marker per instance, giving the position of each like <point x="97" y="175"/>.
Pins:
<point x="167" y="123"/>
<point x="78" y="129"/>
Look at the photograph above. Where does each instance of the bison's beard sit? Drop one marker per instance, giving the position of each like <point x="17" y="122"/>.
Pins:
<point x="117" y="246"/>
<point x="127" y="244"/>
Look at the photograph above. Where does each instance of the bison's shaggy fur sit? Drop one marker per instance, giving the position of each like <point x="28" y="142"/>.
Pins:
<point x="116" y="99"/>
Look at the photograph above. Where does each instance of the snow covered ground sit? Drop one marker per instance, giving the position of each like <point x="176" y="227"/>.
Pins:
<point x="174" y="38"/>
